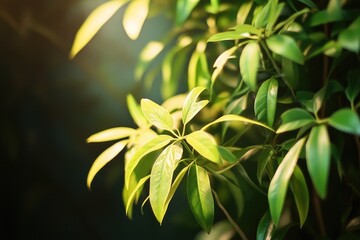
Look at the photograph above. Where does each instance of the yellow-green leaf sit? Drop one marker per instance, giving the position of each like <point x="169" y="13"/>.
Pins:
<point x="132" y="196"/>
<point x="265" y="101"/>
<point x="205" y="145"/>
<point x="104" y="158"/>
<point x="294" y="119"/>
<point x="191" y="107"/>
<point x="157" y="115"/>
<point x="249" y="63"/>
<point x="135" y="112"/>
<point x="111" y="134"/>
<point x="134" y="17"/>
<point x="93" y="23"/>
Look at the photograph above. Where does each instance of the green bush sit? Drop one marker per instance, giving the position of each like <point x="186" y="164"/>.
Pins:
<point x="271" y="108"/>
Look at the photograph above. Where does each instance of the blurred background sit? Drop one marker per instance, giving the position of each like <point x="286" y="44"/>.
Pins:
<point x="49" y="106"/>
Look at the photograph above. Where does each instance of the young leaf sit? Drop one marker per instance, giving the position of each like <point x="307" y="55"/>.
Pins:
<point x="132" y="196"/>
<point x="161" y="178"/>
<point x="184" y="9"/>
<point x="205" y="145"/>
<point x="279" y="183"/>
<point x="249" y="63"/>
<point x="93" y="23"/>
<point x="301" y="194"/>
<point x="285" y="46"/>
<point x="104" y="158"/>
<point x="135" y="112"/>
<point x="157" y="115"/>
<point x="151" y="146"/>
<point x="265" y="101"/>
<point x="266" y="228"/>
<point x="235" y="118"/>
<point x="293" y="119"/>
<point x="191" y="107"/>
<point x="318" y="153"/>
<point x="200" y="196"/>
<point x="345" y="120"/>
<point x="134" y="17"/>
<point x="111" y="134"/>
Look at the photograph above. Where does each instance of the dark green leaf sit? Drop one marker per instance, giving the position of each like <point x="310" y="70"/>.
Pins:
<point x="157" y="115"/>
<point x="301" y="194"/>
<point x="161" y="178"/>
<point x="249" y="63"/>
<point x="285" y="46"/>
<point x="308" y="3"/>
<point x="345" y="120"/>
<point x="205" y="145"/>
<point x="353" y="88"/>
<point x="200" y="196"/>
<point x="265" y="101"/>
<point x="279" y="183"/>
<point x="226" y="154"/>
<point x="263" y="160"/>
<point x="266" y="228"/>
<point x="191" y="107"/>
<point x="293" y="119"/>
<point x="291" y="72"/>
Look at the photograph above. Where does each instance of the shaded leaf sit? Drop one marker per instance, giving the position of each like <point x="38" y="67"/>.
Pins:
<point x="345" y="120"/>
<point x="157" y="115"/>
<point x="226" y="154"/>
<point x="191" y="107"/>
<point x="353" y="88"/>
<point x="301" y="194"/>
<point x="205" y="145"/>
<point x="221" y="230"/>
<point x="161" y="178"/>
<point x="134" y="17"/>
<point x="294" y="119"/>
<point x="279" y="183"/>
<point x="93" y="23"/>
<point x="285" y="46"/>
<point x="266" y="228"/>
<point x="263" y="160"/>
<point x="151" y="146"/>
<point x="200" y="196"/>
<point x="135" y="112"/>
<point x="249" y="63"/>
<point x="111" y="134"/>
<point x="291" y="72"/>
<point x="105" y="157"/>
<point x="221" y="61"/>
<point x="265" y="101"/>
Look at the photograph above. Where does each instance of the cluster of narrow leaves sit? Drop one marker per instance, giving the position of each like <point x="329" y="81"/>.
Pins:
<point x="260" y="76"/>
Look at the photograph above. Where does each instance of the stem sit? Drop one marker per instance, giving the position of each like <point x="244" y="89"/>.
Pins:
<point x="318" y="212"/>
<point x="228" y="216"/>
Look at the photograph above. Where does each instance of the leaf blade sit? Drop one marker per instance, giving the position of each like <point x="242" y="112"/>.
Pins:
<point x="265" y="101"/>
<point x="157" y="115"/>
<point x="134" y="17"/>
<point x="111" y="134"/>
<point x="345" y="120"/>
<point x="285" y="46"/>
<point x="205" y="145"/>
<point x="249" y="63"/>
<point x="191" y="107"/>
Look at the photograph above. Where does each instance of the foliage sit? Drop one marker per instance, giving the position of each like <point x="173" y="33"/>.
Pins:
<point x="282" y="95"/>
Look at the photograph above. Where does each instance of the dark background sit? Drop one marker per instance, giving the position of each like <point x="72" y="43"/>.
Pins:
<point x="49" y="106"/>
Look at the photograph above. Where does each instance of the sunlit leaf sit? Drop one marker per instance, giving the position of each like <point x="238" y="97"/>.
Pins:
<point x="294" y="119"/>
<point x="105" y="157"/>
<point x="184" y="9"/>
<point x="235" y="118"/>
<point x="111" y="134"/>
<point x="152" y="145"/>
<point x="147" y="55"/>
<point x="205" y="145"/>
<point x="93" y="23"/>
<point x="134" y="17"/>
<point x="200" y="196"/>
<point x="349" y="38"/>
<point x="191" y="107"/>
<point x="266" y="228"/>
<point x="161" y="178"/>
<point x="249" y="63"/>
<point x="198" y="70"/>
<point x="135" y="112"/>
<point x="262" y="16"/>
<point x="157" y="115"/>
<point x="243" y="12"/>
<point x="221" y="61"/>
<point x="227" y="36"/>
<point x="301" y="194"/>
<point x="265" y="101"/>
<point x="132" y="196"/>
<point x="345" y="120"/>
<point x="285" y="46"/>
<point x="275" y="11"/>
<point x="279" y="183"/>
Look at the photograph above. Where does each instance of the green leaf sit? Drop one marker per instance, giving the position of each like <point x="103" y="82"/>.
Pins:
<point x="151" y="146"/>
<point x="279" y="183"/>
<point x="265" y="101"/>
<point x="262" y="16"/>
<point x="353" y="88"/>
<point x="285" y="46"/>
<point x="184" y="9"/>
<point x="205" y="145"/>
<point x="93" y="23"/>
<point x="293" y="119"/>
<point x="147" y="55"/>
<point x="157" y="115"/>
<point x="134" y="17"/>
<point x="191" y="107"/>
<point x="249" y="63"/>
<point x="349" y="38"/>
<point x="105" y="157"/>
<point x="301" y="194"/>
<point x="200" y="196"/>
<point x="227" y="36"/>
<point x="291" y="72"/>
<point x="266" y="228"/>
<point x="198" y="71"/>
<point x="226" y="154"/>
<point x="132" y="196"/>
<point x="135" y="112"/>
<point x="243" y="12"/>
<point x="235" y="118"/>
<point x="221" y="61"/>
<point x="111" y="134"/>
<point x="263" y="160"/>
<point x="345" y="120"/>
<point x="161" y="178"/>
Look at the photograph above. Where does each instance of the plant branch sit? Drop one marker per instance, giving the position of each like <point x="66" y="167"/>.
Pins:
<point x="228" y="216"/>
<point x="318" y="212"/>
